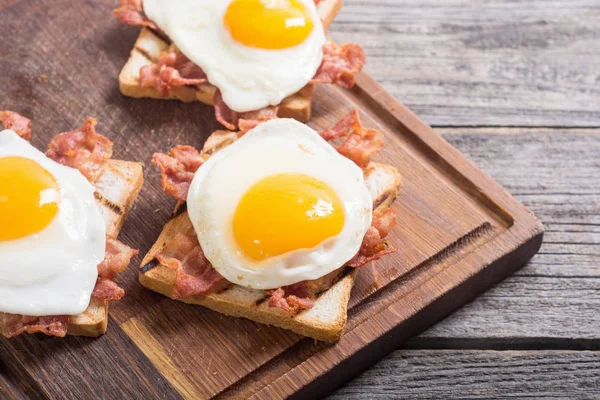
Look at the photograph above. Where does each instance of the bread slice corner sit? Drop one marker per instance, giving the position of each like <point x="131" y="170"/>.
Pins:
<point x="325" y="321"/>
<point x="149" y="45"/>
<point x="116" y="191"/>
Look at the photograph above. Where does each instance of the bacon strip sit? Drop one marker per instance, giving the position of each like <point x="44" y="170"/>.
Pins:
<point x="83" y="149"/>
<point x="243" y="121"/>
<point x="107" y="290"/>
<point x="289" y="302"/>
<point x="16" y="122"/>
<point x="340" y="64"/>
<point x="173" y="69"/>
<point x="195" y="274"/>
<point x="177" y="169"/>
<point x="302" y="295"/>
<point x="12" y="325"/>
<point x="360" y="143"/>
<point x="117" y="258"/>
<point x="131" y="12"/>
<point x="374" y="246"/>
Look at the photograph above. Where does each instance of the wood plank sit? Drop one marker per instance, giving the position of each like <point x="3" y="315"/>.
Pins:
<point x="556" y="174"/>
<point x="528" y="307"/>
<point x="73" y="367"/>
<point x="431" y="374"/>
<point x="554" y="297"/>
<point x="473" y="63"/>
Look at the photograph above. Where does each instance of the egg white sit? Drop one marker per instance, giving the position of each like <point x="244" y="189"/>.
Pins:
<point x="248" y="78"/>
<point x="275" y="147"/>
<point x="54" y="271"/>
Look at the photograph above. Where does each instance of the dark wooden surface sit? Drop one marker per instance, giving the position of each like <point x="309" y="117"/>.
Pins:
<point x="497" y="84"/>
<point x="515" y="86"/>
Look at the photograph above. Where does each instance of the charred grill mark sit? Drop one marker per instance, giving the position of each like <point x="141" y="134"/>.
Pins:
<point x="151" y="265"/>
<point x="145" y="54"/>
<point x="104" y="201"/>
<point x="262" y="300"/>
<point x="181" y="208"/>
<point x="225" y="289"/>
<point x="342" y="275"/>
<point x="163" y="36"/>
<point x="380" y="200"/>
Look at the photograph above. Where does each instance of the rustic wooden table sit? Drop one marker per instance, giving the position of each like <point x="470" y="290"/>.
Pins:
<point x="515" y="85"/>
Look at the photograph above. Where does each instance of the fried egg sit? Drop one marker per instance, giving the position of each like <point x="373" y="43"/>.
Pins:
<point x="52" y="234"/>
<point x="256" y="52"/>
<point x="279" y="206"/>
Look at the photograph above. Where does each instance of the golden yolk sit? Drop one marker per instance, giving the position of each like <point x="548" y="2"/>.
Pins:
<point x="286" y="212"/>
<point x="268" y="24"/>
<point x="28" y="198"/>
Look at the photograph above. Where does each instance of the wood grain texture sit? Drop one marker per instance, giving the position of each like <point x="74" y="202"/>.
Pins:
<point x="551" y="303"/>
<point x="556" y="173"/>
<point x="449" y="374"/>
<point x="482" y="62"/>
<point x="107" y="367"/>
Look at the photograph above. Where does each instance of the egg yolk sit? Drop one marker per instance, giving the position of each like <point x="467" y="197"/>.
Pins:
<point x="28" y="198"/>
<point x="286" y="212"/>
<point x="268" y="24"/>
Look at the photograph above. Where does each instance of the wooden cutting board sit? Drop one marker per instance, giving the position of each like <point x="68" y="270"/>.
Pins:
<point x="459" y="232"/>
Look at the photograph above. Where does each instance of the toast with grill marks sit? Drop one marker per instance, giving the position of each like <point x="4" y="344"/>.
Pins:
<point x="325" y="321"/>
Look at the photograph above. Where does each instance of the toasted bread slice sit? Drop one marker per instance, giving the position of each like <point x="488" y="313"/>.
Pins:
<point x="116" y="191"/>
<point x="148" y="47"/>
<point x="325" y="321"/>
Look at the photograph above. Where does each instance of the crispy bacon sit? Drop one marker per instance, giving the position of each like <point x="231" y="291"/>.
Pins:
<point x="290" y="303"/>
<point x="12" y="325"/>
<point x="177" y="169"/>
<point x="301" y="296"/>
<point x="243" y="121"/>
<point x="195" y="274"/>
<point x="374" y="246"/>
<point x="340" y="64"/>
<point x="83" y="149"/>
<point x="16" y="122"/>
<point x="117" y="258"/>
<point x="360" y="143"/>
<point x="107" y="290"/>
<point x="131" y="12"/>
<point x="172" y="69"/>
